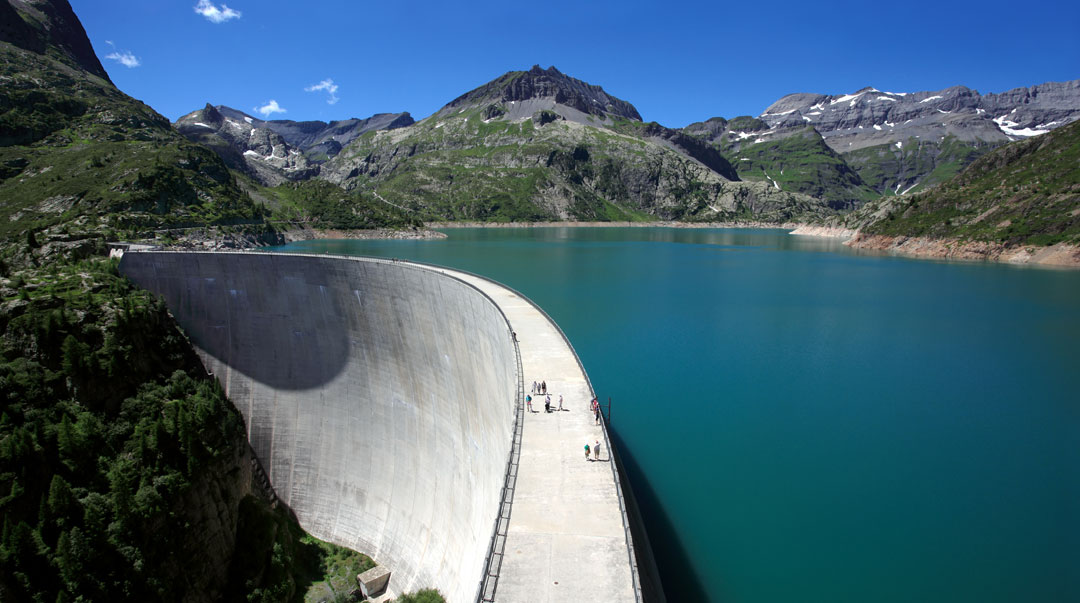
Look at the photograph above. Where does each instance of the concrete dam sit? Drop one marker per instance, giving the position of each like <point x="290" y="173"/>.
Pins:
<point x="384" y="400"/>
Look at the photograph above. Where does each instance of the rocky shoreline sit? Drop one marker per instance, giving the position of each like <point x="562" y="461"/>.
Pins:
<point x="673" y="224"/>
<point x="308" y="234"/>
<point x="1061" y="254"/>
<point x="812" y="230"/>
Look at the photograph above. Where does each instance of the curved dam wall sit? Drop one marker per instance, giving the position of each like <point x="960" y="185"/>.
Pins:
<point x="379" y="397"/>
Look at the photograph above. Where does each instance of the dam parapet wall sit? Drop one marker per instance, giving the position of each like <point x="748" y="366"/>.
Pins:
<point x="379" y="396"/>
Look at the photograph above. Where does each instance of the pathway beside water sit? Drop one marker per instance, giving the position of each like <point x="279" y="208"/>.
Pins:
<point x="566" y="540"/>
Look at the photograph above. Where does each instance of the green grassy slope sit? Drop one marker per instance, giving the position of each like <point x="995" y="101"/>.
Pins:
<point x="1024" y="193"/>
<point x="915" y="166"/>
<point x="802" y="162"/>
<point x="79" y="155"/>
<point x="796" y="160"/>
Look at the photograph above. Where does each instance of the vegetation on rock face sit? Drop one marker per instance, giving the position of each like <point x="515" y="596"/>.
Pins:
<point x="428" y="595"/>
<point x="914" y="166"/>
<point x="108" y="426"/>
<point x="1024" y="193"/>
<point x="803" y="163"/>
<point x="321" y="205"/>
<point x="277" y="561"/>
<point x="78" y="154"/>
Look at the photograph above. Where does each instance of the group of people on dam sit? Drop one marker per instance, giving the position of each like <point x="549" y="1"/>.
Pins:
<point x="541" y="389"/>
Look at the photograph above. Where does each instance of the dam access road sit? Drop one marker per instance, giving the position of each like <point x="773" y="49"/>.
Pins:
<point x="383" y="399"/>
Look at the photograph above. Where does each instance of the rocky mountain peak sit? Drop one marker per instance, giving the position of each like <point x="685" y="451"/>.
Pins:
<point x="870" y="117"/>
<point x="49" y="27"/>
<point x="211" y="115"/>
<point x="551" y="86"/>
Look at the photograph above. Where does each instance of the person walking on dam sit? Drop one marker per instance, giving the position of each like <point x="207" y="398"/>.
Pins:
<point x="560" y="401"/>
<point x="547" y="403"/>
<point x="528" y="402"/>
<point x="586" y="451"/>
<point x="596" y="450"/>
<point x="534" y="387"/>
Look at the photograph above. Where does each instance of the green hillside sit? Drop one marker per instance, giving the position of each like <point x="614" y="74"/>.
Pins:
<point x="802" y="162"/>
<point x="479" y="164"/>
<point x="795" y="160"/>
<point x="913" y="166"/>
<point x="79" y="158"/>
<point x="1024" y="193"/>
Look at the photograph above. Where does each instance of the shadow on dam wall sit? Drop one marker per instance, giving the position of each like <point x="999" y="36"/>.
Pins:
<point x="297" y="327"/>
<point x="378" y="396"/>
<point x="680" y="581"/>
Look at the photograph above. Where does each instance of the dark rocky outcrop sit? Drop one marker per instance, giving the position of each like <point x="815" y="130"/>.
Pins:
<point x="694" y="147"/>
<point x="538" y="83"/>
<point x="49" y="27"/>
<point x="277" y="151"/>
<point x="309" y="135"/>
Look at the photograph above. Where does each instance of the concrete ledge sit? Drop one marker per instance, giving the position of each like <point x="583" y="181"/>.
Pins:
<point x="374" y="581"/>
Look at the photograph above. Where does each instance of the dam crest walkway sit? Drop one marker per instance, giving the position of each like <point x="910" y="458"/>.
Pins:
<point x="568" y="537"/>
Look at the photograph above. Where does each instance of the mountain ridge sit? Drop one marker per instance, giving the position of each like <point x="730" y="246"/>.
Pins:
<point x="895" y="143"/>
<point x="521" y="148"/>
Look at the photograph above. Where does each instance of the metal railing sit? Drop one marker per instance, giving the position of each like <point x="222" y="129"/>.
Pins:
<point x="497" y="546"/>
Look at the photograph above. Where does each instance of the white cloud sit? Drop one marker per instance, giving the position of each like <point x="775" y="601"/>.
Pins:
<point x="270" y="108"/>
<point x="214" y="14"/>
<point x="329" y="86"/>
<point x="125" y="57"/>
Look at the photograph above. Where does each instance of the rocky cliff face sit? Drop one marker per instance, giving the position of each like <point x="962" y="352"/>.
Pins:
<point x="318" y="139"/>
<point x="549" y="85"/>
<point x="211" y="510"/>
<point x="870" y="117"/>
<point x="49" y="27"/>
<point x="259" y="152"/>
<point x="277" y="151"/>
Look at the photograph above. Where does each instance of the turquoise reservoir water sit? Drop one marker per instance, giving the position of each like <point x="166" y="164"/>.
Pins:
<point x="803" y="423"/>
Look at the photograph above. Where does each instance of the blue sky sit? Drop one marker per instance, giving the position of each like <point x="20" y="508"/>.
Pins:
<point x="677" y="62"/>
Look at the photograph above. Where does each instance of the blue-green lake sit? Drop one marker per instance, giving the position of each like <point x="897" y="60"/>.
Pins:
<point x="805" y="423"/>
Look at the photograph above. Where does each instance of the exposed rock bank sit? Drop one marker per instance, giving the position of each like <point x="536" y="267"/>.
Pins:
<point x="308" y="234"/>
<point x="823" y="231"/>
<point x="568" y="224"/>
<point x="953" y="249"/>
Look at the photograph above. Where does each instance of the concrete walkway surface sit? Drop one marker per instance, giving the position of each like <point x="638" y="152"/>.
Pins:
<point x="566" y="539"/>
